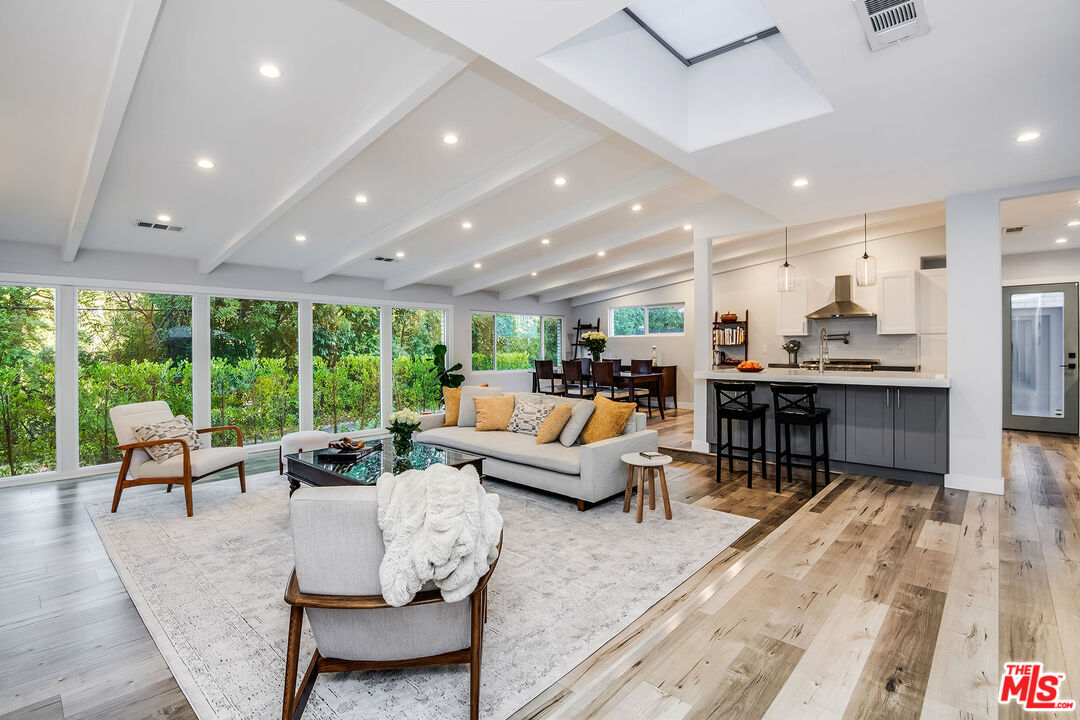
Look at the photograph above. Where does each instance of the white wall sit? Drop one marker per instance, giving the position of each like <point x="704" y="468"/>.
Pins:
<point x="754" y="288"/>
<point x="1041" y="267"/>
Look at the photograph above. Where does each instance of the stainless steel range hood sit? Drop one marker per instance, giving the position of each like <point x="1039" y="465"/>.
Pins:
<point x="843" y="307"/>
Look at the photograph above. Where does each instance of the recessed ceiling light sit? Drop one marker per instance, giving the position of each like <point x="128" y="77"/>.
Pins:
<point x="532" y="274"/>
<point x="465" y="225"/>
<point x="301" y="238"/>
<point x="164" y="218"/>
<point x="687" y="226"/>
<point x="560" y="180"/>
<point x="600" y="254"/>
<point x="1061" y="241"/>
<point x="399" y="253"/>
<point x="545" y="241"/>
<point x="800" y="182"/>
<point x="270" y="71"/>
<point x="205" y="163"/>
<point x="361" y="199"/>
<point x="636" y="207"/>
<point x="450" y="139"/>
<point x="1028" y="136"/>
<point x="1073" y="223"/>
<point x="477" y="265"/>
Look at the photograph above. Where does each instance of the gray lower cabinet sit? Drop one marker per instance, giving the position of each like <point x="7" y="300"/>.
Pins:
<point x="870" y="429"/>
<point x="921" y="419"/>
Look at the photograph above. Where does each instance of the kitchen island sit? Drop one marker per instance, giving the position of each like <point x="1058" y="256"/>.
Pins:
<point x="890" y="424"/>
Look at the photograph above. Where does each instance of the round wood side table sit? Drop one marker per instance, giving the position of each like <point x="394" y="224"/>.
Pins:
<point x="642" y="465"/>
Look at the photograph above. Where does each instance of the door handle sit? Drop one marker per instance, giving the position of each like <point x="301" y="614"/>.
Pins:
<point x="1071" y="366"/>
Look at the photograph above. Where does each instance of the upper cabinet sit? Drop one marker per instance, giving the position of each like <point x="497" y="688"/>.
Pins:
<point x="933" y="301"/>
<point x="791" y="309"/>
<point x="898" y="303"/>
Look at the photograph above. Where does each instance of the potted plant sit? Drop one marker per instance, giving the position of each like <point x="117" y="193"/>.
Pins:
<point x="403" y="424"/>
<point x="447" y="377"/>
<point x="595" y="342"/>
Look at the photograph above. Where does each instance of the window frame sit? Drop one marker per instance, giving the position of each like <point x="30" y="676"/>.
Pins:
<point x="541" y="317"/>
<point x="645" y="309"/>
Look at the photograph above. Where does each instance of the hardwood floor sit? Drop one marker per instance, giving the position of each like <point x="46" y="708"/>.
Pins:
<point x="876" y="598"/>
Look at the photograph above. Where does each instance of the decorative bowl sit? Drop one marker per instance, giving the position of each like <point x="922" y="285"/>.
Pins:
<point x="759" y="369"/>
<point x="729" y="317"/>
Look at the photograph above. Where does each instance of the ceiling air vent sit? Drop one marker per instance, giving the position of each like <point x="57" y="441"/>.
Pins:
<point x="380" y="258"/>
<point x="887" y="22"/>
<point x="1016" y="229"/>
<point x="158" y="226"/>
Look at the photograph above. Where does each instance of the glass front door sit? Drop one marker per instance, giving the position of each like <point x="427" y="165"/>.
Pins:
<point x="1040" y="363"/>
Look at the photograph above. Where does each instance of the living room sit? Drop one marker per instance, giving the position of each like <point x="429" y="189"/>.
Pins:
<point x="388" y="358"/>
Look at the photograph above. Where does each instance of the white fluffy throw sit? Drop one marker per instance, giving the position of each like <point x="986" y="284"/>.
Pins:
<point x="438" y="525"/>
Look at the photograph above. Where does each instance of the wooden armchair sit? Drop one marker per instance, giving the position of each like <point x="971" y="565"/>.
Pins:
<point x="138" y="468"/>
<point x="355" y="629"/>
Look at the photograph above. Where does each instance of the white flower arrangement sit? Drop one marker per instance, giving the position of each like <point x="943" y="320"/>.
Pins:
<point x="405" y="416"/>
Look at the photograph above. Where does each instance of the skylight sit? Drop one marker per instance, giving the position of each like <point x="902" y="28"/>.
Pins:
<point x="696" y="30"/>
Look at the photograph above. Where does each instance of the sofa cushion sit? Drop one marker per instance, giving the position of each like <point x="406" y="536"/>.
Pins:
<point x="493" y="413"/>
<point x="452" y="402"/>
<point x="177" y="428"/>
<point x="467" y="411"/>
<point x="608" y="421"/>
<point x="582" y="410"/>
<point x="553" y="424"/>
<point x="203" y="461"/>
<point x="529" y="415"/>
<point x="512" y="447"/>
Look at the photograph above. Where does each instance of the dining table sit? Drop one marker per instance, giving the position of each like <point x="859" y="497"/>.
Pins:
<point x="650" y="380"/>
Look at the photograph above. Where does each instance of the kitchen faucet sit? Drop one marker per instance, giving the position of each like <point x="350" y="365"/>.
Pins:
<point x="823" y="346"/>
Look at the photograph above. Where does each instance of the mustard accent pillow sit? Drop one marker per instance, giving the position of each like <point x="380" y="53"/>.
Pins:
<point x="608" y="421"/>
<point x="551" y="427"/>
<point x="494" y="413"/>
<point x="452" y="400"/>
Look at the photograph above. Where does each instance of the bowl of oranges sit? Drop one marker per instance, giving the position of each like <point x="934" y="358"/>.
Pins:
<point x="749" y="366"/>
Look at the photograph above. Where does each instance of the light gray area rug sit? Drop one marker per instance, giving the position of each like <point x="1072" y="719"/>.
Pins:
<point x="210" y="590"/>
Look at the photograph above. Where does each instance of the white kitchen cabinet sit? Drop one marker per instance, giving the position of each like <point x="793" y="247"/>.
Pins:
<point x="898" y="303"/>
<point x="791" y="310"/>
<point x="933" y="301"/>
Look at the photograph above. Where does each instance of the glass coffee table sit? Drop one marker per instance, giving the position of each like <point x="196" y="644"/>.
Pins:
<point x="310" y="468"/>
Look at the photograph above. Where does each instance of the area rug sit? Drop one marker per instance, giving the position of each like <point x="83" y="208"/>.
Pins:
<point x="210" y="589"/>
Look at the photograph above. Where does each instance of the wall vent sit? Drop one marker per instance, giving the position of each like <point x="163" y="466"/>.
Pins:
<point x="887" y="22"/>
<point x="1016" y="229"/>
<point x="380" y="258"/>
<point x="158" y="226"/>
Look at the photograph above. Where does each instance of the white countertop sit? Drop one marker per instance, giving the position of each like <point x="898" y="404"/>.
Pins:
<point x="830" y="377"/>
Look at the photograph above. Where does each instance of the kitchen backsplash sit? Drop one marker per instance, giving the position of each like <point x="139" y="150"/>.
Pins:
<point x="864" y="342"/>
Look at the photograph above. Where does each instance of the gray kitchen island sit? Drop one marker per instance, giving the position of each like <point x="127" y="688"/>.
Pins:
<point x="889" y="424"/>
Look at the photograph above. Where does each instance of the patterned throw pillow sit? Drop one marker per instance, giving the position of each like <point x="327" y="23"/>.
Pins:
<point x="529" y="416"/>
<point x="179" y="428"/>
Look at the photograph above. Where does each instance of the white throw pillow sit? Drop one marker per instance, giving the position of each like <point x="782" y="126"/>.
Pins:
<point x="467" y="411"/>
<point x="582" y="411"/>
<point x="179" y="428"/>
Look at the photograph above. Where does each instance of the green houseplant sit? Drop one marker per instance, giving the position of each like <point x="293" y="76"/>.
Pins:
<point x="447" y="377"/>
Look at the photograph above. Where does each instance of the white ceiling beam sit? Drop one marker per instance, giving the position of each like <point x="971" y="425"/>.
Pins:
<point x="536" y="158"/>
<point x="434" y="70"/>
<point x="661" y="280"/>
<point x="565" y="285"/>
<point x="636" y="189"/>
<point x="135" y="38"/>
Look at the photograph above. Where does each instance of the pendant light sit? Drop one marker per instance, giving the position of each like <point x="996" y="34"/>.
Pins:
<point x="785" y="274"/>
<point x="866" y="266"/>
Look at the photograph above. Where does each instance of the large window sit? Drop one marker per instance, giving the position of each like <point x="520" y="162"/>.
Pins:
<point x="647" y="320"/>
<point x="27" y="385"/>
<point x="133" y="347"/>
<point x="512" y="342"/>
<point x="253" y="373"/>
<point x="345" y="365"/>
<point x="415" y="333"/>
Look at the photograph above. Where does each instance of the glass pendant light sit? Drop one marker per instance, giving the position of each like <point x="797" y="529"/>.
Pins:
<point x="866" y="266"/>
<point x="785" y="274"/>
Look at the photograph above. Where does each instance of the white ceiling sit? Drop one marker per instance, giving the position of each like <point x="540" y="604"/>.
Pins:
<point x="1045" y="219"/>
<point x="104" y="113"/>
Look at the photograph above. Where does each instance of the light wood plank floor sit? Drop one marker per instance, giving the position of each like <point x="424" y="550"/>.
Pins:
<point x="874" y="599"/>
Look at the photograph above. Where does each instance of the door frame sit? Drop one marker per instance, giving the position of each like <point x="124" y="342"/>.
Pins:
<point x="1069" y="423"/>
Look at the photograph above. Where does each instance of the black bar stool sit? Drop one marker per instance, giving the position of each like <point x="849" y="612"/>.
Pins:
<point x="795" y="405"/>
<point x="734" y="401"/>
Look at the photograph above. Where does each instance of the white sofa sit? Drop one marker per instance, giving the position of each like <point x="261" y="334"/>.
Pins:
<point x="587" y="473"/>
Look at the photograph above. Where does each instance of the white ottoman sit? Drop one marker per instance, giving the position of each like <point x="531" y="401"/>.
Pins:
<point x="299" y="442"/>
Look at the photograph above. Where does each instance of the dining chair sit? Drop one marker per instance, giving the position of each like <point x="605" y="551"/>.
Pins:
<point x="574" y="378"/>
<point x="545" y="370"/>
<point x="617" y="362"/>
<point x="643" y="367"/>
<point x="604" y="381"/>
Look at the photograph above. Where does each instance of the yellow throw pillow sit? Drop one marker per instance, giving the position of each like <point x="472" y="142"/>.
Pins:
<point x="452" y="401"/>
<point x="494" y="413"/>
<point x="608" y="420"/>
<point x="553" y="424"/>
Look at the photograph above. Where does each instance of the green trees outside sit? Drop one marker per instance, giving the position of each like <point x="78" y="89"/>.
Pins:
<point x="666" y="319"/>
<point x="651" y="320"/>
<point x="133" y="347"/>
<point x="346" y="367"/>
<point x="512" y="342"/>
<point x="414" y="334"/>
<point x="628" y="321"/>
<point x="27" y="389"/>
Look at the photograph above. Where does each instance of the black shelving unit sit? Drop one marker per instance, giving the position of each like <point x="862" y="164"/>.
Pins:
<point x="739" y="327"/>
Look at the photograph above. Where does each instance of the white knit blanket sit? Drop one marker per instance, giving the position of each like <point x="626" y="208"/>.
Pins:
<point x="439" y="525"/>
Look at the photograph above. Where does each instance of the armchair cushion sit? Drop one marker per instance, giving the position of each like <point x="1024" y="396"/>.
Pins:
<point x="179" y="428"/>
<point x="203" y="461"/>
<point x="126" y="417"/>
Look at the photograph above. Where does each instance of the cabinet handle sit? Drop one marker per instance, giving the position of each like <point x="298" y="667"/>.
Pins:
<point x="887" y="398"/>
<point x="898" y="405"/>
